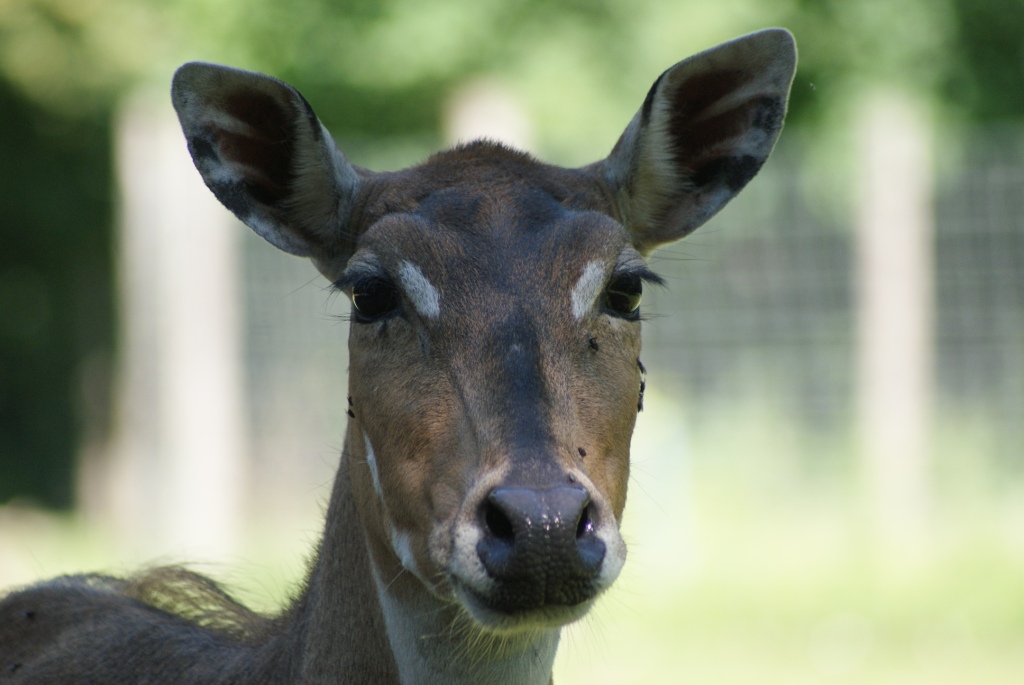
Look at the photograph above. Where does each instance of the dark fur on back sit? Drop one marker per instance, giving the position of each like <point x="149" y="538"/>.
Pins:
<point x="169" y="623"/>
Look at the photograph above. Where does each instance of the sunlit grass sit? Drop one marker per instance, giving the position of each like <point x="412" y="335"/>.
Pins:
<point x="750" y="563"/>
<point x="767" y="603"/>
<point x="746" y="567"/>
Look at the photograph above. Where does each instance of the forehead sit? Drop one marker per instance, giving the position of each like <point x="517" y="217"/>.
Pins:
<point x="495" y="216"/>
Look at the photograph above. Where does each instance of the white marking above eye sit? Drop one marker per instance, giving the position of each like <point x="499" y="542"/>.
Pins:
<point x="587" y="289"/>
<point x="424" y="296"/>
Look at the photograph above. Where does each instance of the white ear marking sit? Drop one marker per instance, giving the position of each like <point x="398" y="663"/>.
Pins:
<point x="419" y="290"/>
<point x="587" y="289"/>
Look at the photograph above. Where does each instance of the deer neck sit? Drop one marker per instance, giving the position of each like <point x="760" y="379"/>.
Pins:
<point x="356" y="625"/>
<point x="338" y="622"/>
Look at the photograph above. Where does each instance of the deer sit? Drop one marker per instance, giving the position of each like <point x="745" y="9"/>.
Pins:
<point x="494" y="384"/>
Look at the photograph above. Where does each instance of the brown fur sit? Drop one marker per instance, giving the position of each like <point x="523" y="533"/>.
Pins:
<point x="509" y="389"/>
<point x="169" y="625"/>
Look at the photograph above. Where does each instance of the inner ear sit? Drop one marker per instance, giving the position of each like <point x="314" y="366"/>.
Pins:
<point x="704" y="130"/>
<point x="267" y="158"/>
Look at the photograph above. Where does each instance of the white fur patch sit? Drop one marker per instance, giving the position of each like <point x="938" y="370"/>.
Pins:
<point x="614" y="558"/>
<point x="418" y="289"/>
<point x="402" y="544"/>
<point x="587" y="289"/>
<point x="371" y="461"/>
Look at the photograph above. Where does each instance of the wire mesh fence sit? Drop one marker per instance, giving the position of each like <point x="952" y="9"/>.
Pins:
<point x="762" y="302"/>
<point x="760" y="306"/>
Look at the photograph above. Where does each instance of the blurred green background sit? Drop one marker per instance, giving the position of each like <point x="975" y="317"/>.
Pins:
<point x="756" y="551"/>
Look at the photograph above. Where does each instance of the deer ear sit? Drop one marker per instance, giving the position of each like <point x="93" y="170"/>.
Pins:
<point x="705" y="129"/>
<point x="267" y="158"/>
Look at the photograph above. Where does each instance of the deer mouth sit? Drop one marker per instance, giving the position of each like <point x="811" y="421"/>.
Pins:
<point x="512" y="610"/>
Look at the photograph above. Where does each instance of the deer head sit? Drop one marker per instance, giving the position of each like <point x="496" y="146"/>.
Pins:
<point x="495" y="329"/>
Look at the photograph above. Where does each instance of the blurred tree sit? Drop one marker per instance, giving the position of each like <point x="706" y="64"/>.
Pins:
<point x="384" y="66"/>
<point x="987" y="78"/>
<point x="55" y="291"/>
<point x="380" y="71"/>
<point x="847" y="46"/>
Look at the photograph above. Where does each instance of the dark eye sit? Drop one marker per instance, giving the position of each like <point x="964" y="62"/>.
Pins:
<point x="373" y="300"/>
<point x="622" y="297"/>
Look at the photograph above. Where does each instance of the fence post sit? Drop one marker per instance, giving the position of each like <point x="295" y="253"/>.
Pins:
<point x="895" y="272"/>
<point x="176" y="470"/>
<point x="484" y="109"/>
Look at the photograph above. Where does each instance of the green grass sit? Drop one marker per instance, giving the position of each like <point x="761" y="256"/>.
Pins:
<point x="766" y="603"/>
<point x="753" y="561"/>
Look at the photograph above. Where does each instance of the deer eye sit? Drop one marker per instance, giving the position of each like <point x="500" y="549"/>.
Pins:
<point x="622" y="296"/>
<point x="373" y="300"/>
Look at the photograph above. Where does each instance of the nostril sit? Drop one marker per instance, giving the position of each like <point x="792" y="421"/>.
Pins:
<point x="585" y="527"/>
<point x="498" y="523"/>
<point x="541" y="544"/>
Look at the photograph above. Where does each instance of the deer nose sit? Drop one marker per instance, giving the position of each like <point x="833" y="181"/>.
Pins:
<point x="541" y="545"/>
